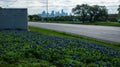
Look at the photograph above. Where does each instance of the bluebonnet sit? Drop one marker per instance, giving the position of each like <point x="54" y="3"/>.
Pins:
<point x="22" y="42"/>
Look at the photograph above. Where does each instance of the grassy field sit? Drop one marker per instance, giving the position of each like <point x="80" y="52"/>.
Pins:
<point x="116" y="24"/>
<point x="61" y="34"/>
<point x="45" y="48"/>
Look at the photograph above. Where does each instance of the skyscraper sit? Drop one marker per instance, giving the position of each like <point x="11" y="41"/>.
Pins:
<point x="54" y="13"/>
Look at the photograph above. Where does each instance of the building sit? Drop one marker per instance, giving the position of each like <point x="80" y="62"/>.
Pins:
<point x="54" y="14"/>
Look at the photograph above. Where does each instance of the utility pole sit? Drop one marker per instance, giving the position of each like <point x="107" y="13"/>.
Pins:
<point x="47" y="8"/>
<point x="119" y="9"/>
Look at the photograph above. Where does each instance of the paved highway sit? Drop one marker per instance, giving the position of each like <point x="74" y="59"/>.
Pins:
<point x="106" y="33"/>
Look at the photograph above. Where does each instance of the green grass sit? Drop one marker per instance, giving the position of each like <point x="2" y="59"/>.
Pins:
<point x="65" y="35"/>
<point x="116" y="24"/>
<point x="46" y="48"/>
<point x="103" y="23"/>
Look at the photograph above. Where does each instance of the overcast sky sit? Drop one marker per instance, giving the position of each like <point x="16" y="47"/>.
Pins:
<point x="37" y="6"/>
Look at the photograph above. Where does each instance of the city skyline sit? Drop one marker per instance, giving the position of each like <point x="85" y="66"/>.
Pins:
<point x="54" y="13"/>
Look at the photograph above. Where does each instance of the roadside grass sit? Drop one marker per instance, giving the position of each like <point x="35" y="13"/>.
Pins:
<point x="46" y="48"/>
<point x="66" y="35"/>
<point x="115" y="24"/>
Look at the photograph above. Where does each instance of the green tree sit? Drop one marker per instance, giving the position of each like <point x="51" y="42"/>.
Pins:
<point x="91" y="13"/>
<point x="103" y="13"/>
<point x="81" y="10"/>
<point x="30" y="17"/>
<point x="97" y="13"/>
<point x="100" y="12"/>
<point x="119" y="10"/>
<point x="34" y="17"/>
<point x="0" y="7"/>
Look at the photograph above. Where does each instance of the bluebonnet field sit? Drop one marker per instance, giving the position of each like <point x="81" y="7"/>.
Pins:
<point x="33" y="49"/>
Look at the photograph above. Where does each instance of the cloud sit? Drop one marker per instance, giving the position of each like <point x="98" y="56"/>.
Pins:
<point x="37" y="6"/>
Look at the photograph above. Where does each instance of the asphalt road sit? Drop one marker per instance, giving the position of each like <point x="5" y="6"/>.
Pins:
<point x="106" y="33"/>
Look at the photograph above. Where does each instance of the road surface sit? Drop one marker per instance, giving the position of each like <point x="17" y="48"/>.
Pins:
<point x="106" y="33"/>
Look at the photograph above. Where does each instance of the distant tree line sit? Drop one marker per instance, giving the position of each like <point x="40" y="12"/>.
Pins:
<point x="84" y="13"/>
<point x="34" y="17"/>
<point x="58" y="18"/>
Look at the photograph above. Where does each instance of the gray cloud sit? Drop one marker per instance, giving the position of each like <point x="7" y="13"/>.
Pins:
<point x="37" y="6"/>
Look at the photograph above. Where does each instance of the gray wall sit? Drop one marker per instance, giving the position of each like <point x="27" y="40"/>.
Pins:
<point x="13" y="18"/>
